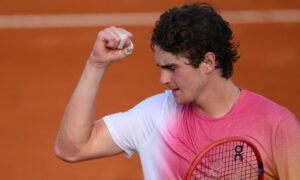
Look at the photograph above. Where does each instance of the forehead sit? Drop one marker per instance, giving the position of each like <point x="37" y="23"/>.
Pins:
<point x="163" y="57"/>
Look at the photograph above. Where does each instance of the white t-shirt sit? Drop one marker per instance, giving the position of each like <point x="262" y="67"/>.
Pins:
<point x="141" y="129"/>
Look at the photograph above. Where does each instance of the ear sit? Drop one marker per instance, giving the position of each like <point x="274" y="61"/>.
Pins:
<point x="209" y="62"/>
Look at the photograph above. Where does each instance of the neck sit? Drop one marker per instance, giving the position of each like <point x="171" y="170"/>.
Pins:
<point x="218" y="98"/>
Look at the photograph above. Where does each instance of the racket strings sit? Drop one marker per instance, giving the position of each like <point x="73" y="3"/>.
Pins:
<point x="231" y="160"/>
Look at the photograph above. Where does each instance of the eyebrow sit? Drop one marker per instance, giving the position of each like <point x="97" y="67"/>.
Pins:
<point x="167" y="66"/>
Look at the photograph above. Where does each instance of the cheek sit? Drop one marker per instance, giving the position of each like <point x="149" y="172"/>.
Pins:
<point x="180" y="77"/>
<point x="184" y="80"/>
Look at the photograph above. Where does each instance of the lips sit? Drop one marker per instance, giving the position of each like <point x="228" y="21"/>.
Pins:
<point x="174" y="91"/>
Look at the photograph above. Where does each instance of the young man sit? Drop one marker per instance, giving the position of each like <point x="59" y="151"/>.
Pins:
<point x="193" y="48"/>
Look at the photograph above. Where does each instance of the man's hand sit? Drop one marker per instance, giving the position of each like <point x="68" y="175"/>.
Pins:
<point x="108" y="46"/>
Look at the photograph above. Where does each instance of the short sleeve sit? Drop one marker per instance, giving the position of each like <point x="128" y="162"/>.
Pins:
<point x="287" y="147"/>
<point x="132" y="128"/>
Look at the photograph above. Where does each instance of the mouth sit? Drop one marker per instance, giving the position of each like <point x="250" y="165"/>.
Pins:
<point x="175" y="89"/>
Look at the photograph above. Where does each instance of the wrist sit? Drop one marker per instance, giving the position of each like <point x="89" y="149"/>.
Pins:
<point x="98" y="65"/>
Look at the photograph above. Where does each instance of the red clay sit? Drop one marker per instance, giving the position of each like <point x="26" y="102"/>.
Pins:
<point x="39" y="69"/>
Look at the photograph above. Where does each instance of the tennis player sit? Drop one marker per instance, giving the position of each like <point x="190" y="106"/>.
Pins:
<point x="193" y="47"/>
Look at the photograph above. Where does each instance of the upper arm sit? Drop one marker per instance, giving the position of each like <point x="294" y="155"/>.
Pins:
<point x="122" y="132"/>
<point x="100" y="144"/>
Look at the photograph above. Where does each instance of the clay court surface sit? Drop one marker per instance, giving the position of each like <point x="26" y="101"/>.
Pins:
<point x="40" y="67"/>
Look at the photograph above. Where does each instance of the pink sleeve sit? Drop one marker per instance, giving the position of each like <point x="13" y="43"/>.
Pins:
<point x="286" y="144"/>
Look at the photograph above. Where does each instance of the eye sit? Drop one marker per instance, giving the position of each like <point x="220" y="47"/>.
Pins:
<point x="169" y="67"/>
<point x="172" y="68"/>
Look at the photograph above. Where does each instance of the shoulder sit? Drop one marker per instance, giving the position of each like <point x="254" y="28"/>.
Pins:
<point x="165" y="96"/>
<point x="264" y="110"/>
<point x="260" y="103"/>
<point x="150" y="108"/>
<point x="158" y="101"/>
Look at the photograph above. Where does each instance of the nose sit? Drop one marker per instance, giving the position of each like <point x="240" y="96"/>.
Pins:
<point x="165" y="78"/>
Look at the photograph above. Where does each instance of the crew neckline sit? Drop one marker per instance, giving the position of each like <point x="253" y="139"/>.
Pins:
<point x="234" y="108"/>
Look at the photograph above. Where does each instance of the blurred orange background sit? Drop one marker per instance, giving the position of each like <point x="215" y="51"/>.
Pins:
<point x="40" y="67"/>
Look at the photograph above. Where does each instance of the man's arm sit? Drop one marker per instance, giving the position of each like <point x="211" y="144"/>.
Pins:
<point x="287" y="148"/>
<point x="79" y="137"/>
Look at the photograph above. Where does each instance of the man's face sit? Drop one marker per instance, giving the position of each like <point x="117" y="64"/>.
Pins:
<point x="185" y="81"/>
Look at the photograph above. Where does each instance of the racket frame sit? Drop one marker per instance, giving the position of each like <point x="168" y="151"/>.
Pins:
<point x="220" y="142"/>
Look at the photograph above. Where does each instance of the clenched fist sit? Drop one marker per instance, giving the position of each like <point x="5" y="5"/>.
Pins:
<point x="112" y="44"/>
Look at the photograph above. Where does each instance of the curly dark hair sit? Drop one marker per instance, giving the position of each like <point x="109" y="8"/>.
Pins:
<point x="193" y="30"/>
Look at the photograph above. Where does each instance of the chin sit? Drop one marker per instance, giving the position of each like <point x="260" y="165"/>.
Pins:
<point x="181" y="101"/>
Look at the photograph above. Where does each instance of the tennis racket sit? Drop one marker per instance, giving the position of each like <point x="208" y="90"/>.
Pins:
<point x="227" y="159"/>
